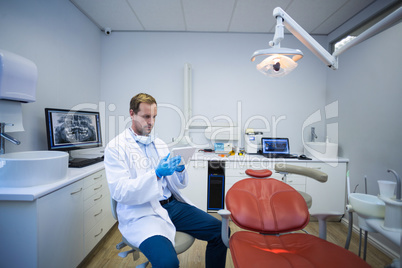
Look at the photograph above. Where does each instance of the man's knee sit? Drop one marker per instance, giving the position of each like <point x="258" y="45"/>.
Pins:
<point x="160" y="252"/>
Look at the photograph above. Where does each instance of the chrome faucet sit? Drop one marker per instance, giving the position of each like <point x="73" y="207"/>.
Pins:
<point x="4" y="136"/>
<point x="398" y="185"/>
<point x="313" y="135"/>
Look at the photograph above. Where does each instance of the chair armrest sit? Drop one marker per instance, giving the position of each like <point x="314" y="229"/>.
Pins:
<point x="304" y="171"/>
<point x="225" y="214"/>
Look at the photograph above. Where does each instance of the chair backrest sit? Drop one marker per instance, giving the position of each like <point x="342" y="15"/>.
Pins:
<point x="113" y="203"/>
<point x="266" y="206"/>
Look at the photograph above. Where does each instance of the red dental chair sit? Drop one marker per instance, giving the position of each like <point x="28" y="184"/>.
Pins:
<point x="271" y="209"/>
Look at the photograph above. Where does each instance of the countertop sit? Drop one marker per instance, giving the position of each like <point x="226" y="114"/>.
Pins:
<point x="35" y="192"/>
<point x="75" y="174"/>
<point x="201" y="156"/>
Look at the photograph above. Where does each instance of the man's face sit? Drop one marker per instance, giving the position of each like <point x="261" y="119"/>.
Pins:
<point x="144" y="120"/>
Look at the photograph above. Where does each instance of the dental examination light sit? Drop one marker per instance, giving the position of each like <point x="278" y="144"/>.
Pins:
<point x="281" y="61"/>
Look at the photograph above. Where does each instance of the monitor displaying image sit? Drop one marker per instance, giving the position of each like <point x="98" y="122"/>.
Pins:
<point x="69" y="129"/>
<point x="275" y="146"/>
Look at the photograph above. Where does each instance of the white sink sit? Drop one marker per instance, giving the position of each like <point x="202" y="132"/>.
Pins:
<point x="32" y="168"/>
<point x="367" y="206"/>
<point x="321" y="150"/>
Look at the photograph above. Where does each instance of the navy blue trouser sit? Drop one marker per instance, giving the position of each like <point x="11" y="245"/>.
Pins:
<point x="188" y="219"/>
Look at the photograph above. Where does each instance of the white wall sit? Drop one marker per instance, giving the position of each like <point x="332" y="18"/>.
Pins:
<point x="368" y="88"/>
<point x="65" y="45"/>
<point x="222" y="76"/>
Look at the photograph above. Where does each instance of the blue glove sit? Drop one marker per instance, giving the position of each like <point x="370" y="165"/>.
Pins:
<point x="180" y="168"/>
<point x="167" y="166"/>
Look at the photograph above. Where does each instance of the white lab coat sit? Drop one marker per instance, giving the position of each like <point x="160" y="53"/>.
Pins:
<point x="135" y="188"/>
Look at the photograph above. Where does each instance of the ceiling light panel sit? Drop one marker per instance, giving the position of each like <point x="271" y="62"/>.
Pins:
<point x="255" y="15"/>
<point x="208" y="15"/>
<point x="159" y="15"/>
<point x="303" y="11"/>
<point x="342" y="15"/>
<point x="115" y="14"/>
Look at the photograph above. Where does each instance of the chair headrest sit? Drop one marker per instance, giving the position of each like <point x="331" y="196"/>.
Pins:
<point x="267" y="206"/>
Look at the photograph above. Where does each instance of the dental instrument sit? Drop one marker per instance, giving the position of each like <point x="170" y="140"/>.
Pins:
<point x="398" y="185"/>
<point x="349" y="209"/>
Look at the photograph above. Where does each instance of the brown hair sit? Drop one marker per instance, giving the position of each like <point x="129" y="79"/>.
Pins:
<point x="140" y="98"/>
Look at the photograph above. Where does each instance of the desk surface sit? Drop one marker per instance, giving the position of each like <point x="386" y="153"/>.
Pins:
<point x="202" y="156"/>
<point x="75" y="174"/>
<point x="35" y="192"/>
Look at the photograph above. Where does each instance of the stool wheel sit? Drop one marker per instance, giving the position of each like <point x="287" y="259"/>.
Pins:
<point x="259" y="173"/>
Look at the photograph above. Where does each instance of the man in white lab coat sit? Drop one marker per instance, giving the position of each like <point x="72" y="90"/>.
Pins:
<point x="145" y="182"/>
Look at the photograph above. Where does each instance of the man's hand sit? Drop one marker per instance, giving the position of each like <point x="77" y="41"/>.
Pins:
<point x="167" y="166"/>
<point x="180" y="168"/>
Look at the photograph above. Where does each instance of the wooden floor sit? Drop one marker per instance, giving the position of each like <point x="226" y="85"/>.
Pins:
<point x="105" y="254"/>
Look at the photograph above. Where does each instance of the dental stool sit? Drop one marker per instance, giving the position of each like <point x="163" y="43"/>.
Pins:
<point x="182" y="240"/>
<point x="268" y="211"/>
<point x="319" y="176"/>
<point x="259" y="173"/>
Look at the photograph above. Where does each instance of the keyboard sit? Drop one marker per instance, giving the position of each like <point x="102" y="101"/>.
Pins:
<point x="280" y="156"/>
<point x="83" y="162"/>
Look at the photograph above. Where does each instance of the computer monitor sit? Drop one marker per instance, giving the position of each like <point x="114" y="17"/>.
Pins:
<point x="275" y="146"/>
<point x="70" y="129"/>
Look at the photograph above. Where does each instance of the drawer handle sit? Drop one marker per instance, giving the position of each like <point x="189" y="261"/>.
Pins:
<point x="73" y="193"/>
<point x="100" y="212"/>
<point x="99" y="233"/>
<point x="96" y="199"/>
<point x="98" y="188"/>
<point x="98" y="177"/>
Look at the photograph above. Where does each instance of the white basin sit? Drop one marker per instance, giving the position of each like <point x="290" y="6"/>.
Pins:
<point x="321" y="150"/>
<point x="32" y="168"/>
<point x="367" y="206"/>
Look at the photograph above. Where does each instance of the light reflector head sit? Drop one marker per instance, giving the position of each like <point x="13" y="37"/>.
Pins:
<point x="295" y="54"/>
<point x="276" y="65"/>
<point x="280" y="61"/>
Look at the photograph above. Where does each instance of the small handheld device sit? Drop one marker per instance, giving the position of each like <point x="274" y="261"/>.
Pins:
<point x="185" y="152"/>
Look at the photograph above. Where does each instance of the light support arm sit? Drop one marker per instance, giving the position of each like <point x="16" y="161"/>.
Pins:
<point x="383" y="24"/>
<point x="279" y="33"/>
<point x="306" y="38"/>
<point x="281" y="61"/>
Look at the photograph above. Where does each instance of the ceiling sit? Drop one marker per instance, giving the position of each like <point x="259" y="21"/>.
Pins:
<point x="245" y="16"/>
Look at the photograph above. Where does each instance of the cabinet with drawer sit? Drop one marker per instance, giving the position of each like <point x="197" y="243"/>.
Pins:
<point x="196" y="189"/>
<point x="59" y="227"/>
<point x="235" y="171"/>
<point x="328" y="196"/>
<point x="60" y="230"/>
<point x="97" y="212"/>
